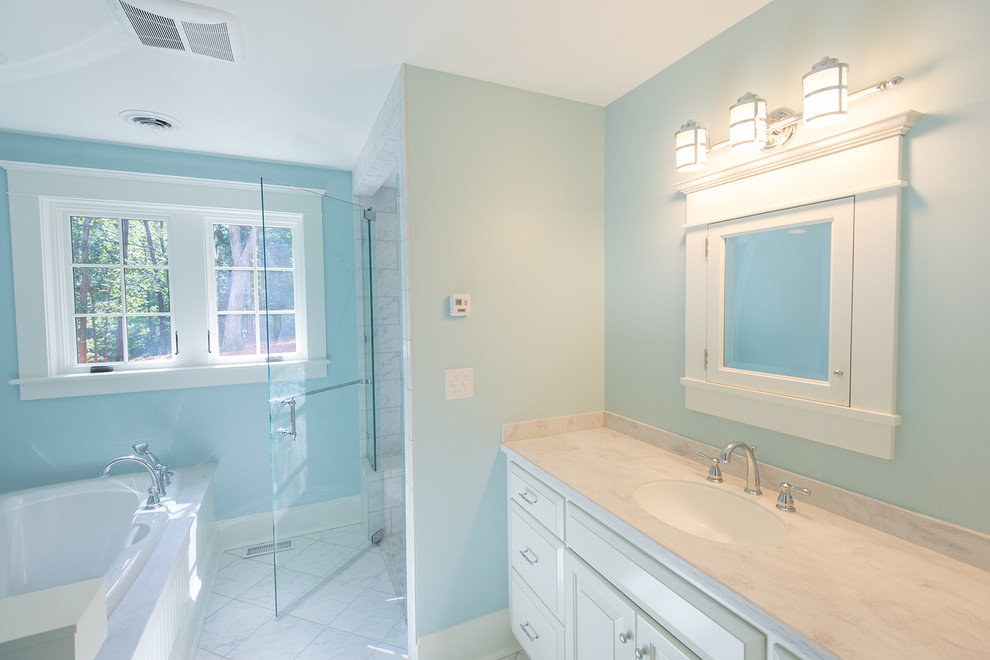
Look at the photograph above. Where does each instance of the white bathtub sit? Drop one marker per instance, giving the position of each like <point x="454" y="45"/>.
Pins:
<point x="77" y="531"/>
<point x="154" y="561"/>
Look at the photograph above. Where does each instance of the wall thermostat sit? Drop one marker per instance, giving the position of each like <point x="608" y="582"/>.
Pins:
<point x="460" y="304"/>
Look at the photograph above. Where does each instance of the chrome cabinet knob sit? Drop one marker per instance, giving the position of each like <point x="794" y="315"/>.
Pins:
<point x="624" y="637"/>
<point x="640" y="653"/>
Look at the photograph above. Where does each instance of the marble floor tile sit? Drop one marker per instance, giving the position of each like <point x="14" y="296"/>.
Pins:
<point x="327" y="602"/>
<point x="291" y="585"/>
<point x="371" y="614"/>
<point x="320" y="558"/>
<point x="397" y="637"/>
<point x="216" y="602"/>
<point x="206" y="655"/>
<point x="230" y="625"/>
<point x="235" y="579"/>
<point x="278" y="639"/>
<point x="338" y="645"/>
<point x="365" y="571"/>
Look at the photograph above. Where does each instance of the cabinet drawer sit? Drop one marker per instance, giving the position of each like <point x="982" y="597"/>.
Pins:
<point x="700" y="623"/>
<point x="538" y="557"/>
<point x="541" y="637"/>
<point x="540" y="500"/>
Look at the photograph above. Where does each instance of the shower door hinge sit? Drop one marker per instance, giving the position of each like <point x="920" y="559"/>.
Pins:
<point x="369" y="214"/>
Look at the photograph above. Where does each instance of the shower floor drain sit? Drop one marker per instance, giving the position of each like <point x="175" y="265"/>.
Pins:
<point x="267" y="548"/>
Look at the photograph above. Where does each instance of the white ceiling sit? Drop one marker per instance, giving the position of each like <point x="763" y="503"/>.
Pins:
<point x="316" y="73"/>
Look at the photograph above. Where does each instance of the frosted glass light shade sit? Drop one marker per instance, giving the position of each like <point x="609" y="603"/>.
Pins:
<point x="691" y="147"/>
<point x="826" y="93"/>
<point x="748" y="124"/>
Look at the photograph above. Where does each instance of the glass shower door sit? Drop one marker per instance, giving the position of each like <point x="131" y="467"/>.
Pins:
<point x="324" y="485"/>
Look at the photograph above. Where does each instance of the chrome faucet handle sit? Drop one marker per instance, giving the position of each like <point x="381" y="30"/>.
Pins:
<point x="784" y="501"/>
<point x="141" y="449"/>
<point x="714" y="472"/>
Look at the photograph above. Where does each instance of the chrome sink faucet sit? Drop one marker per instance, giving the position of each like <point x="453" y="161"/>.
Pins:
<point x="752" y="471"/>
<point x="154" y="493"/>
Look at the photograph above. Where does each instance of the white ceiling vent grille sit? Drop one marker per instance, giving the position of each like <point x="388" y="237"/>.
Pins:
<point x="182" y="26"/>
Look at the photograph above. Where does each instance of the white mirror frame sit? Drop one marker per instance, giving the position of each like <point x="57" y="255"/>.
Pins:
<point x="864" y="163"/>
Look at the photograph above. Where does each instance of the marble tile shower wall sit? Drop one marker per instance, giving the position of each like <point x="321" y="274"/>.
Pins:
<point x="387" y="335"/>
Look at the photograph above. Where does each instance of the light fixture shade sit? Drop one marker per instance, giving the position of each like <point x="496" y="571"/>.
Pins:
<point x="691" y="147"/>
<point x="748" y="124"/>
<point x="826" y="93"/>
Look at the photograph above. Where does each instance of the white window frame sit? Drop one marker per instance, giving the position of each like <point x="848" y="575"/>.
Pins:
<point x="835" y="389"/>
<point x="39" y="193"/>
<point x="864" y="163"/>
<point x="293" y="221"/>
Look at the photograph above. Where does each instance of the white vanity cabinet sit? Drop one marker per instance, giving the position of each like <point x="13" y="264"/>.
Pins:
<point x="579" y="591"/>
<point x="536" y="560"/>
<point x="605" y="625"/>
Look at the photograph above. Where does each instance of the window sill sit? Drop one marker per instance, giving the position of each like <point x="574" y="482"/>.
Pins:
<point x="864" y="431"/>
<point x="145" y="380"/>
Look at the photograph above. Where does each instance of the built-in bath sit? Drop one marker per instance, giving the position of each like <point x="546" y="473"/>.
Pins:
<point x="159" y="563"/>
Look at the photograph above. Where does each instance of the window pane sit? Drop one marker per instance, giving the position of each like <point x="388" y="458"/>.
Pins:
<point x="235" y="245"/>
<point x="278" y="248"/>
<point x="149" y="337"/>
<point x="237" y="334"/>
<point x="235" y="290"/>
<point x="281" y="296"/>
<point x="95" y="240"/>
<point x="145" y="242"/>
<point x="96" y="290"/>
<point x="777" y="301"/>
<point x="99" y="339"/>
<point x="282" y="333"/>
<point x="146" y="290"/>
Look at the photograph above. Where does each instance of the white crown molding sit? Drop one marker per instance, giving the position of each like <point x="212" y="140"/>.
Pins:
<point x="898" y="124"/>
<point x="121" y="175"/>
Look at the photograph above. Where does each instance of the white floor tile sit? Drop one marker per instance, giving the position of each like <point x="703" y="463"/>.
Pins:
<point x="327" y="602"/>
<point x="338" y="645"/>
<point x="291" y="585"/>
<point x="232" y="624"/>
<point x="216" y="602"/>
<point x="206" y="655"/>
<point x="365" y="571"/>
<point x="397" y="637"/>
<point x="278" y="639"/>
<point x="320" y="558"/>
<point x="235" y="579"/>
<point x="372" y="614"/>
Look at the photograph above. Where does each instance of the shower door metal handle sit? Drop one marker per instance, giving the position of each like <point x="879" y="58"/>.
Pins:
<point x="291" y="432"/>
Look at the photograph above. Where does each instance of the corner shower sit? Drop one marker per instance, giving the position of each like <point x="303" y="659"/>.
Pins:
<point x="327" y="490"/>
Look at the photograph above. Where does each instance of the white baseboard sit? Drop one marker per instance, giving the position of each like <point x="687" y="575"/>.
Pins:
<point x="257" y="528"/>
<point x="488" y="637"/>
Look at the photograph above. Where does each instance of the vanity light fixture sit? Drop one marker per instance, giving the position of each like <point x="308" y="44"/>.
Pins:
<point x="752" y="128"/>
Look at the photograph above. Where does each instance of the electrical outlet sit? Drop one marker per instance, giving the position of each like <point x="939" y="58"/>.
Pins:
<point x="458" y="383"/>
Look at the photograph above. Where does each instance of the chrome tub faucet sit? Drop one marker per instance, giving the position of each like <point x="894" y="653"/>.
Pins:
<point x="154" y="492"/>
<point x="164" y="477"/>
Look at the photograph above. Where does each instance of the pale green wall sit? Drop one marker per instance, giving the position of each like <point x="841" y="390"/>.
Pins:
<point x="942" y="49"/>
<point x="505" y="203"/>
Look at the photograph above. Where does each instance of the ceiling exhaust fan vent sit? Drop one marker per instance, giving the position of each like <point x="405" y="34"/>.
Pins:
<point x="182" y="26"/>
<point x="153" y="122"/>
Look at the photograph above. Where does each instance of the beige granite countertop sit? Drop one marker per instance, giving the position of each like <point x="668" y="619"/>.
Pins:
<point x="852" y="590"/>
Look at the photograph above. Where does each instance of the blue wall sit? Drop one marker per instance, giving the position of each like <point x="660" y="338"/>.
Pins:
<point x="941" y="49"/>
<point x="52" y="440"/>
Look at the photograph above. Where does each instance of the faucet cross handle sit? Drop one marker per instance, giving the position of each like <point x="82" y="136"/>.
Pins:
<point x="165" y="475"/>
<point x="714" y="472"/>
<point x="784" y="501"/>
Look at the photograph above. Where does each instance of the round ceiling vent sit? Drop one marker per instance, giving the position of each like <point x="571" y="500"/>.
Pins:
<point x="153" y="122"/>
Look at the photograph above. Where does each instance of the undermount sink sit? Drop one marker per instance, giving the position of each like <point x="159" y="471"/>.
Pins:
<point x="710" y="512"/>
